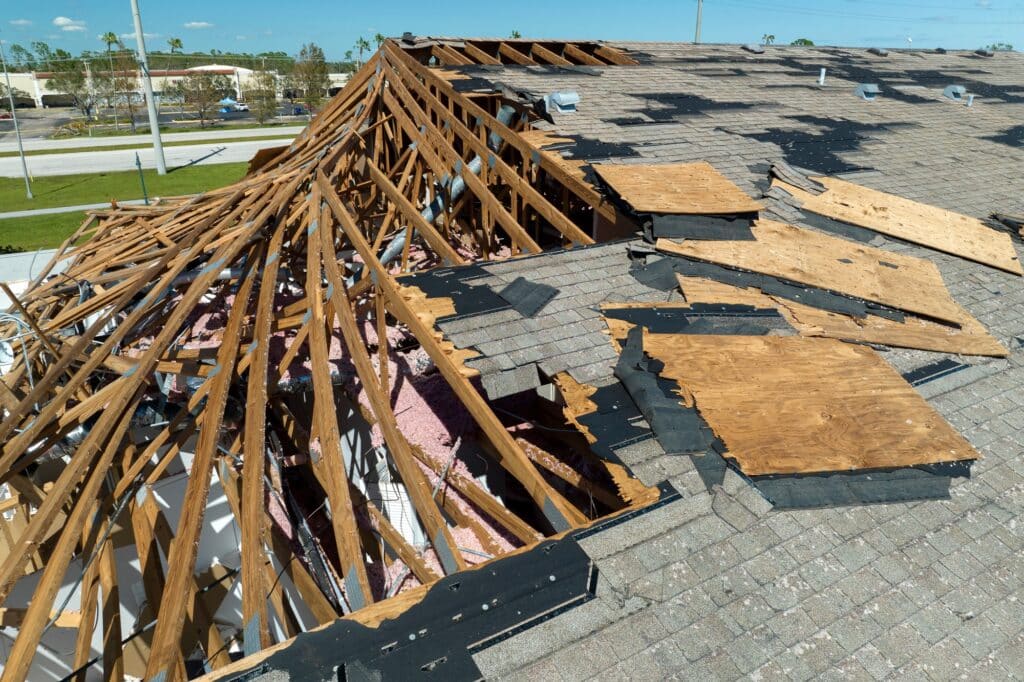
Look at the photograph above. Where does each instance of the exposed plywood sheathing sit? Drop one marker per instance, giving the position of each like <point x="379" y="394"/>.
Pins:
<point x="799" y="405"/>
<point x="676" y="188"/>
<point x="970" y="339"/>
<point x="818" y="260"/>
<point x="910" y="221"/>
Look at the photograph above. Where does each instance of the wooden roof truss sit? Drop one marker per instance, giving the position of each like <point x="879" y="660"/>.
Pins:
<point x="293" y="254"/>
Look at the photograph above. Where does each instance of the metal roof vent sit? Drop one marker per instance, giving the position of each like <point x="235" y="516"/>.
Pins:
<point x="984" y="53"/>
<point x="756" y="49"/>
<point x="408" y="38"/>
<point x="880" y="51"/>
<point x="867" y="91"/>
<point x="562" y="102"/>
<point x="955" y="92"/>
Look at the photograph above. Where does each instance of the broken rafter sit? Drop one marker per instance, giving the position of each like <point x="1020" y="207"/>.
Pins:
<point x="208" y="310"/>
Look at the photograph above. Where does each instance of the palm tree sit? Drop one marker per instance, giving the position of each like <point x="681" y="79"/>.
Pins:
<point x="110" y="39"/>
<point x="174" y="44"/>
<point x="768" y="39"/>
<point x="379" y="39"/>
<point x="363" y="45"/>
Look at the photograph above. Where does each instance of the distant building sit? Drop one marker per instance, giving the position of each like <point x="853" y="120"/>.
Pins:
<point x="36" y="84"/>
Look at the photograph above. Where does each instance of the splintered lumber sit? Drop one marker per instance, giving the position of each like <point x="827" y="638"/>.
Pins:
<point x="817" y="260"/>
<point x="181" y="339"/>
<point x="970" y="339"/>
<point x="794" y="405"/>
<point x="558" y="510"/>
<point x="676" y="188"/>
<point x="910" y="221"/>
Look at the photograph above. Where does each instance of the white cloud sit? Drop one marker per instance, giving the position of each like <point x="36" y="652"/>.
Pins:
<point x="198" y="24"/>
<point x="241" y="37"/>
<point x="20" y="22"/>
<point x="985" y="4"/>
<point x="67" y="24"/>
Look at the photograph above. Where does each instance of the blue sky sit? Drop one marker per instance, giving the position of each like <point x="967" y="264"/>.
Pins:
<point x="258" y="25"/>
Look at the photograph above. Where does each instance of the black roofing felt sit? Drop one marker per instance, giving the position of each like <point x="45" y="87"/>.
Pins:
<point x="661" y="274"/>
<point x="1011" y="137"/>
<point x="669" y="106"/>
<point x="819" y="151"/>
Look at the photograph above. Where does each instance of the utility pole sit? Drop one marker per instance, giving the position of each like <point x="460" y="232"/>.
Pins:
<point x="14" y="117"/>
<point x="154" y="117"/>
<point x="700" y="8"/>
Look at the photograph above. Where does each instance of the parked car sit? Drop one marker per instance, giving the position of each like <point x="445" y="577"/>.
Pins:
<point x="4" y="115"/>
<point x="241" y="107"/>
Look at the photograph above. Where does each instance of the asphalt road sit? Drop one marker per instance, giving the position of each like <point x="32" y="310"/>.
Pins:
<point x="124" y="159"/>
<point x="41" y="144"/>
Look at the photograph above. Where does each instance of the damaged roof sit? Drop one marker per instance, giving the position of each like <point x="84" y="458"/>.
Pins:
<point x="502" y="320"/>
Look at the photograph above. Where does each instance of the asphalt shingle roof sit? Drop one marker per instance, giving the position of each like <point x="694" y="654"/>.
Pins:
<point x="718" y="585"/>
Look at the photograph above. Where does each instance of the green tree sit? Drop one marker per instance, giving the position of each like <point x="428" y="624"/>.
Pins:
<point x="803" y="42"/>
<point x="767" y="39"/>
<point x="110" y="39"/>
<point x="203" y="90"/>
<point x="175" y="92"/>
<point x="1000" y="47"/>
<point x="124" y="81"/>
<point x="44" y="55"/>
<point x="310" y="74"/>
<point x="22" y="59"/>
<point x="69" y="78"/>
<point x="261" y="95"/>
<point x="174" y="44"/>
<point x="362" y="45"/>
<point x="379" y="39"/>
<point x="515" y="35"/>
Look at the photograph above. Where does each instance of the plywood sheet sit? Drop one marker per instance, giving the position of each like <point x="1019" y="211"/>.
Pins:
<point x="794" y="405"/>
<point x="910" y="221"/>
<point x="818" y="260"/>
<point x="970" y="339"/>
<point x="676" y="188"/>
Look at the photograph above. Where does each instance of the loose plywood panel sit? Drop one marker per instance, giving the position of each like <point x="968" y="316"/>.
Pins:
<point x="818" y="260"/>
<point x="794" y="405"/>
<point x="676" y="188"/>
<point x="971" y="339"/>
<point x="910" y="221"/>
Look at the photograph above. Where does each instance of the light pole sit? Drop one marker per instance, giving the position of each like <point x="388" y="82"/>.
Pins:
<point x="14" y="117"/>
<point x="700" y="8"/>
<point x="154" y="118"/>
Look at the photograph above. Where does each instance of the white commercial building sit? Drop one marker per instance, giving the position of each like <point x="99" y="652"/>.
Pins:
<point x="36" y="84"/>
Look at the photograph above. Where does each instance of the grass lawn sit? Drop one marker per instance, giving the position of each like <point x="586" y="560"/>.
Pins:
<point x="38" y="232"/>
<point x="48" y="231"/>
<point x="147" y="145"/>
<point x="94" y="188"/>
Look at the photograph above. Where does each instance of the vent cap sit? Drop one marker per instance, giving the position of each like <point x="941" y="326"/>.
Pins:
<point x="867" y="91"/>
<point x="955" y="92"/>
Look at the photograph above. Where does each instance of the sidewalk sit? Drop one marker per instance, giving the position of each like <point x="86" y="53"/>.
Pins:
<point x="66" y="209"/>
